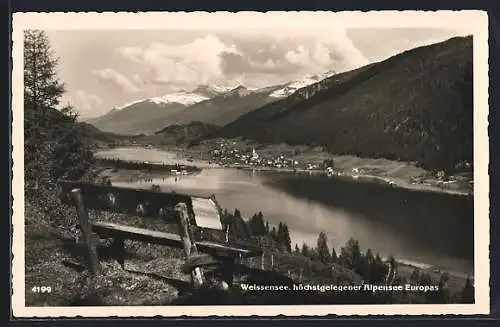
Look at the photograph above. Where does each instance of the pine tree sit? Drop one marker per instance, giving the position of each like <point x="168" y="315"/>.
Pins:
<point x="279" y="237"/>
<point x="350" y="254"/>
<point x="273" y="233"/>
<point x="334" y="255"/>
<point x="368" y="265"/>
<point x="253" y="224"/>
<point x="261" y="228"/>
<point x="42" y="88"/>
<point x="55" y="145"/>
<point x="442" y="295"/>
<point x="239" y="229"/>
<point x="467" y="295"/>
<point x="305" y="250"/>
<point x="297" y="249"/>
<point x="42" y="91"/>
<point x="322" y="248"/>
<point x="392" y="269"/>
<point x="286" y="238"/>
<point x="379" y="270"/>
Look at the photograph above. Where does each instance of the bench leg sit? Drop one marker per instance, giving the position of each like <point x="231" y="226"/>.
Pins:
<point x="85" y="227"/>
<point x="118" y="248"/>
<point x="228" y="273"/>
<point x="197" y="277"/>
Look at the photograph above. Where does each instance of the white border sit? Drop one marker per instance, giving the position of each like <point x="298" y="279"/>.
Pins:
<point x="474" y="21"/>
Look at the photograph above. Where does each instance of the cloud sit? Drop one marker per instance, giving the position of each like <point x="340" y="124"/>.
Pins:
<point x="401" y="45"/>
<point x="85" y="103"/>
<point x="253" y="57"/>
<point x="328" y="50"/>
<point x="225" y="58"/>
<point x="281" y="56"/>
<point x="197" y="62"/>
<point x="117" y="80"/>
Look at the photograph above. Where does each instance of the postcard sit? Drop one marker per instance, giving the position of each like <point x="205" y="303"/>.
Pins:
<point x="248" y="163"/>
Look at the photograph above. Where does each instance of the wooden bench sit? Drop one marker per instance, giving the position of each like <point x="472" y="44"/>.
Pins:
<point x="192" y="214"/>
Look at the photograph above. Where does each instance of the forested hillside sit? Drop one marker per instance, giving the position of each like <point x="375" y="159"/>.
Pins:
<point x="415" y="106"/>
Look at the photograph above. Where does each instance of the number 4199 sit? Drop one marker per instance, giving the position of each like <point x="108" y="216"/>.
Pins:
<point x="41" y="289"/>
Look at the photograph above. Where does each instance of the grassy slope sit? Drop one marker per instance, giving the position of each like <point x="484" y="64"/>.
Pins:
<point x="414" y="106"/>
<point x="54" y="258"/>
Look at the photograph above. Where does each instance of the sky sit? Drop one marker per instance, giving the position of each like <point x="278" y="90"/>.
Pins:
<point x="106" y="68"/>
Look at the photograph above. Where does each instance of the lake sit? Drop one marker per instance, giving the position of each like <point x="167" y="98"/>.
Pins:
<point x="417" y="227"/>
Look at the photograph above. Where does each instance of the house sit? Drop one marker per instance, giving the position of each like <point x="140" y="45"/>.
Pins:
<point x="255" y="155"/>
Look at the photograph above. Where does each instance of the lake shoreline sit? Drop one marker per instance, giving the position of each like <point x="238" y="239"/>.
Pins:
<point x="186" y="157"/>
<point x="362" y="178"/>
<point x="394" y="173"/>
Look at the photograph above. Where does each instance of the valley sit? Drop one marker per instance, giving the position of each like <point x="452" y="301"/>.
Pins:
<point x="397" y="110"/>
<point x="357" y="175"/>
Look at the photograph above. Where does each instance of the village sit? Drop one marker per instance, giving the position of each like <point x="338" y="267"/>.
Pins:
<point x="230" y="156"/>
<point x="227" y="153"/>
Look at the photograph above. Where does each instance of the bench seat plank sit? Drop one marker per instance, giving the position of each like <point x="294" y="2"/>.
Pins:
<point x="108" y="230"/>
<point x="105" y="229"/>
<point x="224" y="250"/>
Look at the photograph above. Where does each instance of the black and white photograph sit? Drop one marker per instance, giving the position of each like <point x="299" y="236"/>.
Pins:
<point x="296" y="163"/>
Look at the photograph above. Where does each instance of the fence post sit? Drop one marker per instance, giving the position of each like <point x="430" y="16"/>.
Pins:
<point x="189" y="246"/>
<point x="85" y="227"/>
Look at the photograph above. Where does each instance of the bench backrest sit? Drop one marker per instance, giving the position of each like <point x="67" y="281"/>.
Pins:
<point x="146" y="203"/>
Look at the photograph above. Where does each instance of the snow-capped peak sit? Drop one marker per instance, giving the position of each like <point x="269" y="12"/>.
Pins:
<point x="290" y="88"/>
<point x="182" y="97"/>
<point x="240" y="90"/>
<point x="211" y="90"/>
<point x="185" y="98"/>
<point x="128" y="104"/>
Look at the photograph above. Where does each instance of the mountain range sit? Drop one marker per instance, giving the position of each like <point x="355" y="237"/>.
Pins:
<point x="210" y="104"/>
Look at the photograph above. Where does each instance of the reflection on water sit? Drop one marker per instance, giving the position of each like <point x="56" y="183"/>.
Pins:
<point x="151" y="155"/>
<point x="415" y="226"/>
